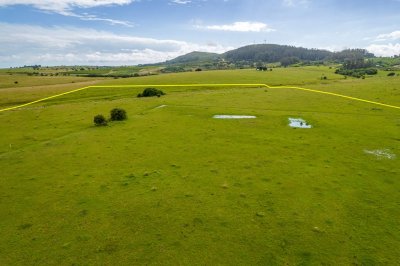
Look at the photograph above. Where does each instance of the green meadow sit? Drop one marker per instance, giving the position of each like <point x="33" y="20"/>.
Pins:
<point x="171" y="185"/>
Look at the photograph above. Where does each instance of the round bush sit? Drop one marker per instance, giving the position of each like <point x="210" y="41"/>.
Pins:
<point x="100" y="120"/>
<point x="118" y="114"/>
<point x="151" y="92"/>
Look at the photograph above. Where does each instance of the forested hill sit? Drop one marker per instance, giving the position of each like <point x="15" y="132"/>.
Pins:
<point x="194" y="57"/>
<point x="266" y="53"/>
<point x="274" y="53"/>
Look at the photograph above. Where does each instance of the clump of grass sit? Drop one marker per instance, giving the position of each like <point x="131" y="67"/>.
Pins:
<point x="25" y="226"/>
<point x="260" y="214"/>
<point x="130" y="176"/>
<point x="197" y="221"/>
<point x="317" y="229"/>
<point x="83" y="213"/>
<point x="109" y="248"/>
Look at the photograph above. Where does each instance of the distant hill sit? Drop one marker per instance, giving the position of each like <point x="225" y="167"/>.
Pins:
<point x="264" y="53"/>
<point x="194" y="58"/>
<point x="269" y="53"/>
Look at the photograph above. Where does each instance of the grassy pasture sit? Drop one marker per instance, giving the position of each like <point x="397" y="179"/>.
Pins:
<point x="8" y="81"/>
<point x="293" y="76"/>
<point x="172" y="186"/>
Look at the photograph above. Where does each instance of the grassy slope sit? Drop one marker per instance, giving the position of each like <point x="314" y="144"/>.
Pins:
<point x="7" y="81"/>
<point x="173" y="186"/>
<point x="311" y="75"/>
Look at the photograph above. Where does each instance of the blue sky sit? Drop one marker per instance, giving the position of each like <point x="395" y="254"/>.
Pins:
<point x="129" y="32"/>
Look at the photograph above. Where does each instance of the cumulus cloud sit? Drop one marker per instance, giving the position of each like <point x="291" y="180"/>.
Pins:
<point x="384" y="49"/>
<point x="66" y="7"/>
<point x="395" y="35"/>
<point x="25" y="44"/>
<point x="242" y="26"/>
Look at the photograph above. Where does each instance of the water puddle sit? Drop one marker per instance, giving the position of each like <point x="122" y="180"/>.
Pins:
<point x="382" y="154"/>
<point x="298" y="123"/>
<point x="234" y="116"/>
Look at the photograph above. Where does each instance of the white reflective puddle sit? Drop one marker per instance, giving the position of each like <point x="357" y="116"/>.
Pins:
<point x="234" y="116"/>
<point x="298" y="123"/>
<point x="382" y="154"/>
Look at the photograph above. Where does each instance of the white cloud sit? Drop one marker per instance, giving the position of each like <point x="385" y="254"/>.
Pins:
<point x="384" y="49"/>
<point x="395" y="35"/>
<point x="25" y="44"/>
<point x="89" y="17"/>
<point x="242" y="26"/>
<point x="181" y="2"/>
<point x="66" y="7"/>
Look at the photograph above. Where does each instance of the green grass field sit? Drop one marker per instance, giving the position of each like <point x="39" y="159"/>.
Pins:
<point x="173" y="186"/>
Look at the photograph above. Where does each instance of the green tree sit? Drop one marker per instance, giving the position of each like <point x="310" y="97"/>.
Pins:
<point x="118" y="114"/>
<point x="287" y="61"/>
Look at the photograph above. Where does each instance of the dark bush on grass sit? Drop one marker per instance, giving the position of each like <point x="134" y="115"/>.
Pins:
<point x="391" y="74"/>
<point x="118" y="114"/>
<point x="371" y="71"/>
<point x="151" y="92"/>
<point x="357" y="73"/>
<point x="100" y="120"/>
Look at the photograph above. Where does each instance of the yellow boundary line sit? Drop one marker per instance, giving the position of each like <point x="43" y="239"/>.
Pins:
<point x="203" y="85"/>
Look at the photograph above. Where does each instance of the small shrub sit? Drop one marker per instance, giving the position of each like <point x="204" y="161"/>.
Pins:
<point x="100" y="120"/>
<point x="151" y="92"/>
<point x="391" y="74"/>
<point x="118" y="114"/>
<point x="15" y="82"/>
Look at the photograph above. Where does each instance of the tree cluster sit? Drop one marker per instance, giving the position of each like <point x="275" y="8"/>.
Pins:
<point x="270" y="53"/>
<point x="357" y="73"/>
<point x="151" y="92"/>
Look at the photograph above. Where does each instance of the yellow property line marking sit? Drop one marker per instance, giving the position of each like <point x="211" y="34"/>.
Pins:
<point x="335" y="94"/>
<point x="202" y="85"/>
